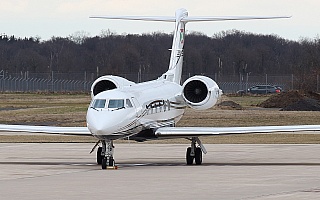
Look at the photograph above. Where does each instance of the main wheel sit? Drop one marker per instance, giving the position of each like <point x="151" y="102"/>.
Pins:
<point x="198" y="156"/>
<point x="104" y="163"/>
<point x="111" y="161"/>
<point x="189" y="158"/>
<point x="99" y="157"/>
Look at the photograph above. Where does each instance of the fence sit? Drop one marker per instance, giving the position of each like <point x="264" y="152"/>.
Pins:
<point x="35" y="85"/>
<point x="81" y="82"/>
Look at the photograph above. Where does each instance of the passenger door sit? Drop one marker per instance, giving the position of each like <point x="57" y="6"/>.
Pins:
<point x="137" y="106"/>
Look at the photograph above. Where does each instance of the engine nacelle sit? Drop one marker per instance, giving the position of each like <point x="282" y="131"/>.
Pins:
<point x="201" y="92"/>
<point x="108" y="82"/>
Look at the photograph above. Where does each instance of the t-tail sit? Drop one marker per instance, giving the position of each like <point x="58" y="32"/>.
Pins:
<point x="176" y="58"/>
<point x="181" y="18"/>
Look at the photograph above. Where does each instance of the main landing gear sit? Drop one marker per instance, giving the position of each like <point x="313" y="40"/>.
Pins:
<point x="194" y="152"/>
<point x="105" y="155"/>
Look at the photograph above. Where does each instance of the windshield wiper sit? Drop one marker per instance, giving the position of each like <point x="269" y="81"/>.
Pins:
<point x="119" y="108"/>
<point x="94" y="108"/>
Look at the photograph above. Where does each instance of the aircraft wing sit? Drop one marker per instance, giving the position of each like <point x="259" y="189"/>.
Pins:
<point x="81" y="131"/>
<point x="185" y="132"/>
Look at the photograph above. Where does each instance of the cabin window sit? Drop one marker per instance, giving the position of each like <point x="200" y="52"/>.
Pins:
<point x="99" y="103"/>
<point x="128" y="103"/>
<point x="116" y="103"/>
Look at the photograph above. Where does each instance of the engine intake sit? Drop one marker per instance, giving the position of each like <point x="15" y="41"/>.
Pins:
<point x="109" y="82"/>
<point x="195" y="91"/>
<point x="200" y="92"/>
<point x="103" y="85"/>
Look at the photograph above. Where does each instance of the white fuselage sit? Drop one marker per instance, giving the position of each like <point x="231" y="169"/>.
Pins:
<point x="132" y="108"/>
<point x="151" y="105"/>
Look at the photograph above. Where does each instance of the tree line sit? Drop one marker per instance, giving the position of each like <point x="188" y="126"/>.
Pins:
<point x="230" y="52"/>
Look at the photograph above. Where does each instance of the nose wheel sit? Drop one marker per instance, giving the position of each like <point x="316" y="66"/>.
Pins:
<point x="105" y="155"/>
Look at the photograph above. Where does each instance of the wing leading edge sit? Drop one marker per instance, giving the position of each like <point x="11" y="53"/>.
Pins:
<point x="167" y="132"/>
<point x="81" y="131"/>
<point x="182" y="132"/>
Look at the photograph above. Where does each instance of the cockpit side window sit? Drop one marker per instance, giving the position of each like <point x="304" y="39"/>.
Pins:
<point x="116" y="103"/>
<point x="128" y="103"/>
<point x="99" y="103"/>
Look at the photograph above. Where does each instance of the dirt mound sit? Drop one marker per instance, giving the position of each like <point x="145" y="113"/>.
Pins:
<point x="312" y="95"/>
<point x="282" y="100"/>
<point x="294" y="101"/>
<point x="306" y="104"/>
<point x="229" y="105"/>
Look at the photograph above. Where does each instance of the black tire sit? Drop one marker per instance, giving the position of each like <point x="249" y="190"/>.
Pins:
<point x="104" y="163"/>
<point x="189" y="158"/>
<point x="198" y="156"/>
<point x="111" y="162"/>
<point x="99" y="157"/>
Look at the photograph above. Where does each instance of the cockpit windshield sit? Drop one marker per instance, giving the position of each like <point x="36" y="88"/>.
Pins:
<point x="99" y="103"/>
<point x="112" y="103"/>
<point x="116" y="103"/>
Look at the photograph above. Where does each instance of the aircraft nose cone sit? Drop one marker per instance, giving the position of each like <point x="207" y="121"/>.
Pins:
<point x="96" y="127"/>
<point x="106" y="122"/>
<point x="98" y="124"/>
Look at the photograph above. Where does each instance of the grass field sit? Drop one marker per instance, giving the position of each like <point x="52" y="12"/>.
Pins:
<point x="70" y="110"/>
<point x="44" y="109"/>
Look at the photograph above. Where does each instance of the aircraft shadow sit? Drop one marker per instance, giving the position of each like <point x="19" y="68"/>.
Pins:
<point x="159" y="164"/>
<point x="217" y="164"/>
<point x="47" y="163"/>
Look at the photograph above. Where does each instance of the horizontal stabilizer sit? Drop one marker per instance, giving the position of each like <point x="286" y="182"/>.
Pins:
<point x="230" y="18"/>
<point x="141" y="18"/>
<point x="189" y="19"/>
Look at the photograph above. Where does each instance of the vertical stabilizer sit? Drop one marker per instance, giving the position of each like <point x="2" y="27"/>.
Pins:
<point x="176" y="58"/>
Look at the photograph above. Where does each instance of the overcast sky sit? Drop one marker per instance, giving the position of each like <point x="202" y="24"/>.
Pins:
<point x="47" y="18"/>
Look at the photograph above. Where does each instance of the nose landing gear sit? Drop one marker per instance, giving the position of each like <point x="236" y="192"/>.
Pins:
<point x="105" y="155"/>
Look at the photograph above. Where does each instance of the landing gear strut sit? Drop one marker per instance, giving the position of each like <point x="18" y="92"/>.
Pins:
<point x="194" y="152"/>
<point x="106" y="154"/>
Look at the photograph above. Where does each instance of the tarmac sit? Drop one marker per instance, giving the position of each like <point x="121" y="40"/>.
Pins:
<point x="158" y="171"/>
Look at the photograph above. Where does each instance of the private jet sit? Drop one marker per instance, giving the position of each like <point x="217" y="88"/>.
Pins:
<point x="122" y="109"/>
